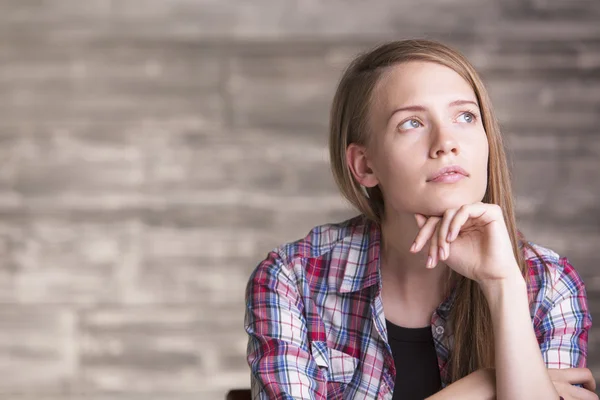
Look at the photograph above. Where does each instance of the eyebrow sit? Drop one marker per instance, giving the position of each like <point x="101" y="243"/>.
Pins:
<point x="422" y="108"/>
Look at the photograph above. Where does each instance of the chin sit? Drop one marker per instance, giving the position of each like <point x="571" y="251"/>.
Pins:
<point x="439" y="207"/>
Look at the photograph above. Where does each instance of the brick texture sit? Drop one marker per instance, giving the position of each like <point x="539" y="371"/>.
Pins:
<point x="152" y="152"/>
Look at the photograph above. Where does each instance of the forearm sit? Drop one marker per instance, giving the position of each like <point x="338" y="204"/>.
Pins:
<point x="520" y="369"/>
<point x="478" y="385"/>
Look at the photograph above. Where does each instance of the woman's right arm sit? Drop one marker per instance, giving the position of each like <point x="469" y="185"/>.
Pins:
<point x="478" y="385"/>
<point x="481" y="384"/>
<point x="278" y="351"/>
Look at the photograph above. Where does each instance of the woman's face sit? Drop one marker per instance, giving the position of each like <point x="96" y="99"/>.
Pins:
<point x="424" y="117"/>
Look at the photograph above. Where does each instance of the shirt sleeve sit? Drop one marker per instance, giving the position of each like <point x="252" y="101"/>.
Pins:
<point x="563" y="329"/>
<point x="278" y="352"/>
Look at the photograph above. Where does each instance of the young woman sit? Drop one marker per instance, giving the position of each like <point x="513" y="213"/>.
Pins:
<point x="431" y="290"/>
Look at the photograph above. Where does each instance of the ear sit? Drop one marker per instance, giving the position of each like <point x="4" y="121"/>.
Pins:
<point x="357" y="160"/>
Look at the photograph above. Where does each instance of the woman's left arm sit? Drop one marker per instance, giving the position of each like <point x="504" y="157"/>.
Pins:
<point x="473" y="240"/>
<point x="520" y="369"/>
<point x="561" y="325"/>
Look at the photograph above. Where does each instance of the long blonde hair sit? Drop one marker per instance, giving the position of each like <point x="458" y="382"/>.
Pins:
<point x="473" y="344"/>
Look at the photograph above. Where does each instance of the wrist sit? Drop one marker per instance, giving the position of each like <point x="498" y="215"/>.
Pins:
<point x="495" y="288"/>
<point x="506" y="299"/>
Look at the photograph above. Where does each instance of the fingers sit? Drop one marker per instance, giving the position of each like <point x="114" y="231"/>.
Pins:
<point x="590" y="385"/>
<point x="569" y="392"/>
<point x="421" y="219"/>
<point x="426" y="232"/>
<point x="441" y="231"/>
<point x="429" y="231"/>
<point x="434" y="229"/>
<point x="574" y="376"/>
<point x="588" y="380"/>
<point x="578" y="393"/>
<point x="461" y="216"/>
<point x="442" y="234"/>
<point x="434" y="257"/>
<point x="438" y="232"/>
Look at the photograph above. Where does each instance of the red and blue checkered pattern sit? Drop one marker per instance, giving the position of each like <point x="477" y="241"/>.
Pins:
<point x="316" y="327"/>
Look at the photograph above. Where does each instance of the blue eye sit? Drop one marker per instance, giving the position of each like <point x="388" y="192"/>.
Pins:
<point x="410" y="124"/>
<point x="467" y="117"/>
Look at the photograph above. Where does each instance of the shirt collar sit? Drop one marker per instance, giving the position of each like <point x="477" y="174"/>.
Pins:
<point x="444" y="309"/>
<point x="361" y="268"/>
<point x="362" y="262"/>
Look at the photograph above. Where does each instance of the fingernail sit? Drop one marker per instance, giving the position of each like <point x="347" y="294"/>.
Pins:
<point x="429" y="261"/>
<point x="449" y="238"/>
<point x="413" y="247"/>
<point x="442" y="253"/>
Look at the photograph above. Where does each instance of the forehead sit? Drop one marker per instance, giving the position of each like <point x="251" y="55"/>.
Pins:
<point x="421" y="83"/>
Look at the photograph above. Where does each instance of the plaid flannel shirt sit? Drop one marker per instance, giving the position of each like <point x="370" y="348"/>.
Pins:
<point x="316" y="327"/>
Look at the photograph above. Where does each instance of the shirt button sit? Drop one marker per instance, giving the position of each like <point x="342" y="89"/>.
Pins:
<point x="439" y="330"/>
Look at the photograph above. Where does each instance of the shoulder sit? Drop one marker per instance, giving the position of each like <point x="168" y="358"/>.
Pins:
<point x="551" y="277"/>
<point x="322" y="239"/>
<point x="323" y="244"/>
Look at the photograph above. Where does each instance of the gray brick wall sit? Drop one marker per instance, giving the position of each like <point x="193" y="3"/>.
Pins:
<point x="153" y="151"/>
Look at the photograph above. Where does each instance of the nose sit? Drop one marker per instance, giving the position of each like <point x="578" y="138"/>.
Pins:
<point x="443" y="142"/>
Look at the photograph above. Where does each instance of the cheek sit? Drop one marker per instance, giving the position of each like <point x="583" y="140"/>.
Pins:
<point x="403" y="176"/>
<point x="390" y="169"/>
<point x="484" y="142"/>
<point x="482" y="157"/>
<point x="478" y="149"/>
<point x="476" y="154"/>
<point x="482" y="164"/>
<point x="485" y="154"/>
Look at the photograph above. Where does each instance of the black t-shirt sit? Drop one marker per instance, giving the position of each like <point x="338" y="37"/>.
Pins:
<point x="417" y="372"/>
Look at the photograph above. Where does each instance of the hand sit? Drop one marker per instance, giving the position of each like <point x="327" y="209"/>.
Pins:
<point x="472" y="240"/>
<point x="481" y="384"/>
<point x="564" y="379"/>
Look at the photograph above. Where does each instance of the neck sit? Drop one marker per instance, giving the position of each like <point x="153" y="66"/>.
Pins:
<point x="406" y="283"/>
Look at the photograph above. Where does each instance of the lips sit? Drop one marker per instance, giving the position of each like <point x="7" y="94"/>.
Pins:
<point x="448" y="171"/>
